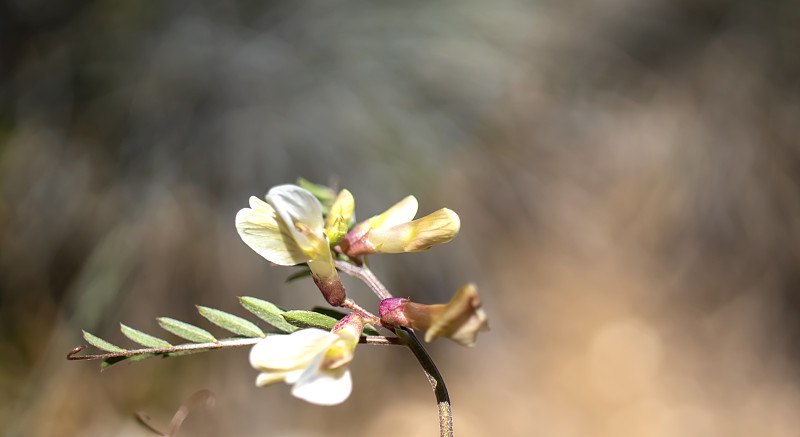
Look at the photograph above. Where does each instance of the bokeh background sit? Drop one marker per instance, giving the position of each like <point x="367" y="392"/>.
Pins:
<point x="626" y="174"/>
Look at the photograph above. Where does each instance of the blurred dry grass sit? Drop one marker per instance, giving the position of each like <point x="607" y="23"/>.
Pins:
<point x="627" y="177"/>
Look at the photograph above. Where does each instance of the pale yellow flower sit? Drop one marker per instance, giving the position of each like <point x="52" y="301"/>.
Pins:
<point x="394" y="231"/>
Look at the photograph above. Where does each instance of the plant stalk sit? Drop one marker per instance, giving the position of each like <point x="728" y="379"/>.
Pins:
<point x="434" y="378"/>
<point x="410" y="339"/>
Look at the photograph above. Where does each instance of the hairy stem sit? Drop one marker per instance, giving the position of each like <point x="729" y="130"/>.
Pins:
<point x="366" y="275"/>
<point x="411" y="340"/>
<point x="368" y="339"/>
<point x="160" y="350"/>
<point x="434" y="378"/>
<point x="366" y="315"/>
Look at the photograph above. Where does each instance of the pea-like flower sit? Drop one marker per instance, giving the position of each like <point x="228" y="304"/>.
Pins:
<point x="459" y="320"/>
<point x="314" y="361"/>
<point x="339" y="217"/>
<point x="287" y="230"/>
<point x="394" y="231"/>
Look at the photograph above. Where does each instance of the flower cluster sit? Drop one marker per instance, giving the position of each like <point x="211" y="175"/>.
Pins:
<point x="292" y="226"/>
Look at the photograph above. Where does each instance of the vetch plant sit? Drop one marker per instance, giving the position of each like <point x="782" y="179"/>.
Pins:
<point x="311" y="226"/>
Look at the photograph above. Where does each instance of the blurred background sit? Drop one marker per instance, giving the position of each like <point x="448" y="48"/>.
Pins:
<point x="626" y="174"/>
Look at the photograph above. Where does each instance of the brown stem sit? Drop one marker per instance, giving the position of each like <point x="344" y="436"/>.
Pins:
<point x="72" y="355"/>
<point x="205" y="397"/>
<point x="160" y="350"/>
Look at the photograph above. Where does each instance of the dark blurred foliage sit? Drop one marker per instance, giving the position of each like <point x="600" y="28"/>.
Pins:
<point x="626" y="174"/>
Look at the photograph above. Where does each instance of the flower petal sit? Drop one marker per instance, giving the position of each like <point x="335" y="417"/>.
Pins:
<point x="267" y="378"/>
<point x="323" y="387"/>
<point x="265" y="233"/>
<point x="355" y="242"/>
<point x="297" y="205"/>
<point x="290" y="352"/>
<point x="461" y="319"/>
<point x="401" y="212"/>
<point x="435" y="228"/>
<point x="294" y="375"/>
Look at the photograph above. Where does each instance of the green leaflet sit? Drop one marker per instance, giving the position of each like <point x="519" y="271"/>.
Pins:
<point x="267" y="312"/>
<point x="142" y="338"/>
<point x="326" y="195"/>
<point x="100" y="343"/>
<point x="169" y="324"/>
<point x="186" y="331"/>
<point x="330" y="312"/>
<point x="232" y="323"/>
<point x="309" y="319"/>
<point x="141" y="357"/>
<point x="108" y="362"/>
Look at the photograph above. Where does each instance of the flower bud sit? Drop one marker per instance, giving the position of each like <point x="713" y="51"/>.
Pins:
<point x="339" y="217"/>
<point x="392" y="311"/>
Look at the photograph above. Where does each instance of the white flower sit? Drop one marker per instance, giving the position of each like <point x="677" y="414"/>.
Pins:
<point x="287" y="230"/>
<point x="314" y="361"/>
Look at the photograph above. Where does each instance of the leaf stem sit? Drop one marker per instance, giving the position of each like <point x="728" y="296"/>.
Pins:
<point x="72" y="355"/>
<point x="162" y="350"/>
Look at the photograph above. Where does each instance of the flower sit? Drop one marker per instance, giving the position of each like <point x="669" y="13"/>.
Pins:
<point x="339" y="217"/>
<point x="394" y="232"/>
<point x="314" y="361"/>
<point x="287" y="230"/>
<point x="459" y="320"/>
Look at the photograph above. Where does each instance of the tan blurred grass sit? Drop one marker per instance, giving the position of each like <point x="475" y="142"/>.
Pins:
<point x="626" y="178"/>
